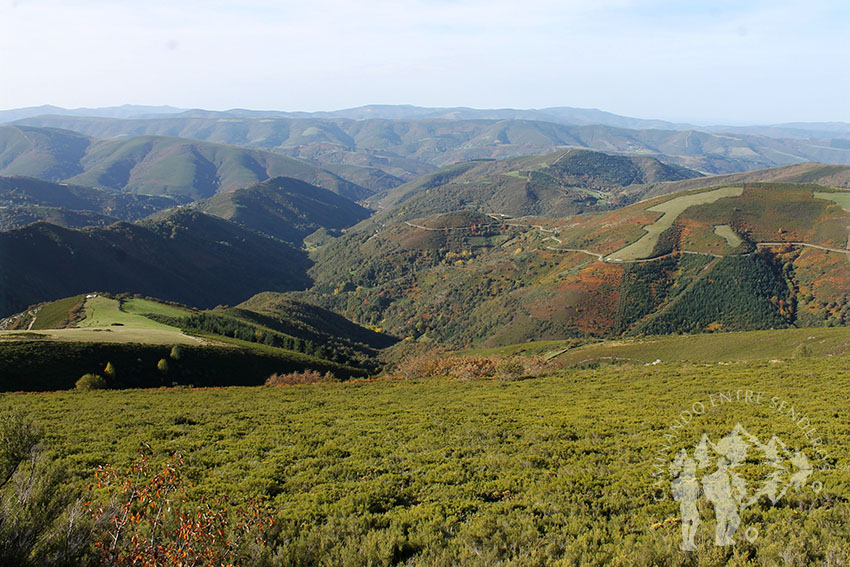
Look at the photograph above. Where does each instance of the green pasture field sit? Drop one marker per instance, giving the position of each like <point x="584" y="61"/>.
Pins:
<point x="107" y="322"/>
<point x="104" y="312"/>
<point x="531" y="348"/>
<point x="717" y="347"/>
<point x="549" y="471"/>
<point x="146" y="307"/>
<point x="842" y="199"/>
<point x="725" y="231"/>
<point x="53" y="314"/>
<point x="670" y="210"/>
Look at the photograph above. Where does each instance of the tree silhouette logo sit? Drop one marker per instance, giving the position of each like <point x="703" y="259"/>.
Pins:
<point x="734" y="474"/>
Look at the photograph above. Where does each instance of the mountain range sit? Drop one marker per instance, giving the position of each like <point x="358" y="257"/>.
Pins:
<point x="557" y="115"/>
<point x="406" y="148"/>
<point x="152" y="165"/>
<point x="456" y="226"/>
<point x="703" y="260"/>
<point x="123" y="111"/>
<point x="284" y="208"/>
<point x="560" y="184"/>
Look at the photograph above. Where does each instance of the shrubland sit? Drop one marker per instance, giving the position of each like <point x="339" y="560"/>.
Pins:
<point x="556" y="470"/>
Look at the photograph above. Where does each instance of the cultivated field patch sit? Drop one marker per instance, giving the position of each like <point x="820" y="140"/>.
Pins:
<point x="841" y="199"/>
<point x="105" y="312"/>
<point x="725" y="231"/>
<point x="147" y="307"/>
<point x="670" y="211"/>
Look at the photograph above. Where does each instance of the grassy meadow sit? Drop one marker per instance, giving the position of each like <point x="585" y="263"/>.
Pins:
<point x="556" y="470"/>
<point x="105" y="312"/>
<point x="106" y="320"/>
<point x="842" y="199"/>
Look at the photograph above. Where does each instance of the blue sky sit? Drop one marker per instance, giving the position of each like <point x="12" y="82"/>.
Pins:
<point x="718" y="61"/>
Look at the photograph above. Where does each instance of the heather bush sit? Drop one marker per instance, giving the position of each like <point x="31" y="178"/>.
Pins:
<point x="510" y="369"/>
<point x="468" y="367"/>
<point x="802" y="351"/>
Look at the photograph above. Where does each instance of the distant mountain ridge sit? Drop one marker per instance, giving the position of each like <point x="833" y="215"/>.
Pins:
<point x="803" y="173"/>
<point x="559" y="184"/>
<point x="154" y="165"/>
<point x="406" y="148"/>
<point x="123" y="111"/>
<point x="566" y="115"/>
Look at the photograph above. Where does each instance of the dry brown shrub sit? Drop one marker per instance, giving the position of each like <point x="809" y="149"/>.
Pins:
<point x="468" y="367"/>
<point x="418" y="366"/>
<point x="471" y="367"/>
<point x="512" y="368"/>
<point x="302" y="377"/>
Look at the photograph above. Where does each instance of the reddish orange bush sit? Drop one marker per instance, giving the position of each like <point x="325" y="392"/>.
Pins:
<point x="146" y="523"/>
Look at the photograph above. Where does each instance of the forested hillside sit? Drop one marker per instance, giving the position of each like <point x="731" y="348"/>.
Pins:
<point x="186" y="256"/>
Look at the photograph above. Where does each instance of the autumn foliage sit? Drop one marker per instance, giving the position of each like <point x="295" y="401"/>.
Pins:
<point x="146" y="522"/>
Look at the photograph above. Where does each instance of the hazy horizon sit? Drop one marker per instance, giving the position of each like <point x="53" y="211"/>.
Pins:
<point x="703" y="62"/>
<point x="694" y="122"/>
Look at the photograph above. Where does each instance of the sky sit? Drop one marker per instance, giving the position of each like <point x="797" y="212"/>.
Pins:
<point x="717" y="61"/>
